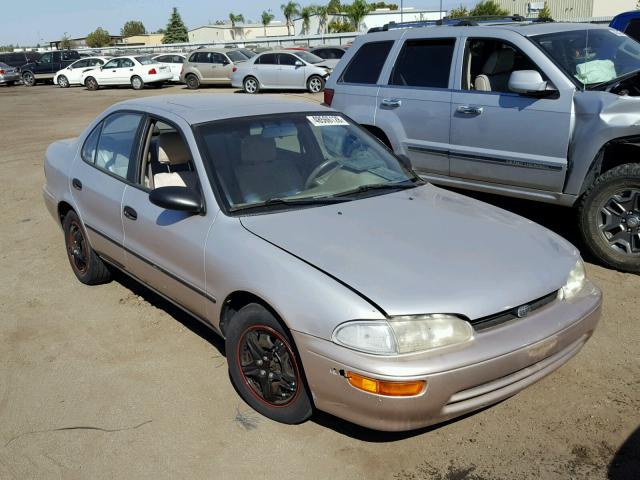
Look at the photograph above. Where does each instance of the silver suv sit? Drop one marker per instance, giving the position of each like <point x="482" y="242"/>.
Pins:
<point x="541" y="111"/>
<point x="212" y="66"/>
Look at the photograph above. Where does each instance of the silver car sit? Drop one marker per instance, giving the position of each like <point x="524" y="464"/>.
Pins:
<point x="282" y="70"/>
<point x="8" y="74"/>
<point x="338" y="279"/>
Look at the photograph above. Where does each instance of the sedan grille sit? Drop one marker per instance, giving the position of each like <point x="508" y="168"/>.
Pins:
<point x="520" y="311"/>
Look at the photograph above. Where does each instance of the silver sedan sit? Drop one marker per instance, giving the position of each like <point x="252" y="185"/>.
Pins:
<point x="8" y="74"/>
<point x="338" y="279"/>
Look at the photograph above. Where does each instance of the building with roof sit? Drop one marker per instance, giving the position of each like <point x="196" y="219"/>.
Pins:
<point x="224" y="32"/>
<point x="570" y="10"/>
<point x="146" y="39"/>
<point x="81" y="42"/>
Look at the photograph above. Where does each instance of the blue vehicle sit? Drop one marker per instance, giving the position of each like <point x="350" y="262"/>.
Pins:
<point x="629" y="23"/>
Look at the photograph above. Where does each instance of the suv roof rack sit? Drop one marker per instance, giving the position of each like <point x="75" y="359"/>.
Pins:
<point x="457" y="22"/>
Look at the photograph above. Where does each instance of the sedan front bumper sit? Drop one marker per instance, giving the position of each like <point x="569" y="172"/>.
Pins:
<point x="498" y="363"/>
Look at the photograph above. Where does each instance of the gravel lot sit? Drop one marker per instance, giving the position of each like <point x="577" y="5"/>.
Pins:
<point x="113" y="382"/>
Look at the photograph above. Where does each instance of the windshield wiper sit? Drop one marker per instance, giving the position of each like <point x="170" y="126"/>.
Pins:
<point x="292" y="202"/>
<point x="415" y="182"/>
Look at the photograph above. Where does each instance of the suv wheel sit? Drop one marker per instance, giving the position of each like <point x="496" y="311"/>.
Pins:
<point x="264" y="366"/>
<point x="251" y="85"/>
<point x="609" y="218"/>
<point x="63" y="81"/>
<point x="91" y="83"/>
<point x="315" y="84"/>
<point x="137" y="83"/>
<point x="29" y="79"/>
<point x="85" y="263"/>
<point x="192" y="81"/>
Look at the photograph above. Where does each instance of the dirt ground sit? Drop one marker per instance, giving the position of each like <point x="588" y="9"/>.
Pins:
<point x="113" y="382"/>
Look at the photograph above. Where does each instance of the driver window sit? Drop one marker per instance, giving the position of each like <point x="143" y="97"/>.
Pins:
<point x="488" y="64"/>
<point x="286" y="59"/>
<point x="46" y="58"/>
<point x="167" y="160"/>
<point x="113" y="64"/>
<point x="116" y="150"/>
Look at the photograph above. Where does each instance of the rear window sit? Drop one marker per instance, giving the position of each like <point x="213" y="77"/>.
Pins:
<point x="424" y="63"/>
<point x="366" y="64"/>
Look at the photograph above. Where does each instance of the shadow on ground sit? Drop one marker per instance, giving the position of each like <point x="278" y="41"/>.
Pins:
<point x="626" y="462"/>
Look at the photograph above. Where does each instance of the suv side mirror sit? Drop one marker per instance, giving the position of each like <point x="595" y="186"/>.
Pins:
<point x="528" y="82"/>
<point x="182" y="199"/>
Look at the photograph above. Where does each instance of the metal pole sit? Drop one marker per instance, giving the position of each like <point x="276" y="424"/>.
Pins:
<point x="440" y="9"/>
<point x="401" y="11"/>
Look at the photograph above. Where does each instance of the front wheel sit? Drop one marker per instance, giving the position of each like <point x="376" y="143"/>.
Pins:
<point x="251" y="85"/>
<point x="264" y="366"/>
<point x="28" y="79"/>
<point x="63" y="82"/>
<point x="609" y="218"/>
<point x="137" y="83"/>
<point x="315" y="84"/>
<point x="91" y="84"/>
<point x="85" y="263"/>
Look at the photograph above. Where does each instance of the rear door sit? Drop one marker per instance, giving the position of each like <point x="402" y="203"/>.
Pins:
<point x="502" y="137"/>
<point x="290" y="75"/>
<point x="414" y="104"/>
<point x="267" y="69"/>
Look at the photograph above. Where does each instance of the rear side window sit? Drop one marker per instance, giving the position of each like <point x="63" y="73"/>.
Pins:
<point x="424" y="63"/>
<point x="633" y="29"/>
<point x="366" y="64"/>
<point x="268" y="59"/>
<point x="89" y="148"/>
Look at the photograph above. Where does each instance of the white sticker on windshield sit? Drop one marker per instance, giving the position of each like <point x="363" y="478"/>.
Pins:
<point x="326" y="120"/>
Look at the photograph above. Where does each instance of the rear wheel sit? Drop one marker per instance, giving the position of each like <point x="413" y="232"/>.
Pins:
<point x="251" y="85"/>
<point x="137" y="83"/>
<point x="91" y="83"/>
<point x="28" y="79"/>
<point x="192" y="81"/>
<point x="264" y="366"/>
<point x="86" y="265"/>
<point x="315" y="84"/>
<point x="609" y="218"/>
<point x="63" y="81"/>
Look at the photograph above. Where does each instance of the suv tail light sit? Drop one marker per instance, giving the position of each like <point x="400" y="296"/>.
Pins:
<point x="328" y="96"/>
<point x="152" y="71"/>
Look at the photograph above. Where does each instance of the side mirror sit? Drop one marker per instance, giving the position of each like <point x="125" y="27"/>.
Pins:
<point x="182" y="199"/>
<point x="299" y="63"/>
<point x="528" y="82"/>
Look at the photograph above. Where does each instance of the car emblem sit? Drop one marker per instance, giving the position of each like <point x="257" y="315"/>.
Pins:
<point x="523" y="311"/>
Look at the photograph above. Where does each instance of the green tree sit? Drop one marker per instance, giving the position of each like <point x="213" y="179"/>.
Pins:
<point x="98" y="38"/>
<point x="545" y="13"/>
<point x="340" y="26"/>
<point x="390" y="6"/>
<point x="356" y="12"/>
<point x="290" y="10"/>
<point x="305" y="15"/>
<point x="133" y="27"/>
<point x="488" y="8"/>
<point x="176" y="31"/>
<point x="334" y="6"/>
<point x="266" y="18"/>
<point x="235" y="19"/>
<point x="458" y="12"/>
<point x="65" y="42"/>
<point x="322" y="11"/>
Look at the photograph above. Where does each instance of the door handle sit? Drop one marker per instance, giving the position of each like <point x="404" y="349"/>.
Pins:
<point x="470" y="110"/>
<point x="77" y="184"/>
<point x="391" y="102"/>
<point x="130" y="213"/>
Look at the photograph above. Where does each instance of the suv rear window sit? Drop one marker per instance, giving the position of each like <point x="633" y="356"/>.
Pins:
<point x="366" y="64"/>
<point x="424" y="63"/>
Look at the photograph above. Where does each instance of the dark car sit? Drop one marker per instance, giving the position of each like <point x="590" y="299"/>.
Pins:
<point x="45" y="67"/>
<point x="329" y="52"/>
<point x="18" y="59"/>
<point x="629" y="23"/>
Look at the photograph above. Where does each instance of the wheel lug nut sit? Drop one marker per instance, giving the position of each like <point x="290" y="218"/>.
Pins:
<point x="264" y="358"/>
<point x="262" y="373"/>
<point x="259" y="362"/>
<point x="270" y="375"/>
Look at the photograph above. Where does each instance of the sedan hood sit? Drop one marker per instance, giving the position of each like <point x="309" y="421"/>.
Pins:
<point x="425" y="250"/>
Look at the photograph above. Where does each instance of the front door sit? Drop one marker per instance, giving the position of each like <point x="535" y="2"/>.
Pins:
<point x="498" y="136"/>
<point x="290" y="75"/>
<point x="112" y="72"/>
<point x="415" y="102"/>
<point x="220" y="68"/>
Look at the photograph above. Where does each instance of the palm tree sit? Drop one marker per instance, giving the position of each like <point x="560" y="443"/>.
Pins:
<point x="289" y="10"/>
<point x="357" y="11"/>
<point x="305" y="14"/>
<point x="267" y="16"/>
<point x="322" y="11"/>
<point x="235" y="19"/>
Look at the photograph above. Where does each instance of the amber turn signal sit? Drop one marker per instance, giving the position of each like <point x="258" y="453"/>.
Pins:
<point x="381" y="387"/>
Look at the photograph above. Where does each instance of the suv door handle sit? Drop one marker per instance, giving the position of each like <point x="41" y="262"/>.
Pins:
<point x="77" y="184"/>
<point x="470" y="110"/>
<point x="391" y="102"/>
<point x="130" y="213"/>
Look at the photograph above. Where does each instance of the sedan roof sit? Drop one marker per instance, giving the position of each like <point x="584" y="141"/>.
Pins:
<point x="200" y="108"/>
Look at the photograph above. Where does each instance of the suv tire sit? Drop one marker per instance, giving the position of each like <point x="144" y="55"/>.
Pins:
<point x="28" y="79"/>
<point x="609" y="218"/>
<point x="192" y="81"/>
<point x="85" y="263"/>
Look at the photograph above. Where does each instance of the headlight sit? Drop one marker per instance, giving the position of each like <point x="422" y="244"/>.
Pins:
<point x="404" y="334"/>
<point x="575" y="282"/>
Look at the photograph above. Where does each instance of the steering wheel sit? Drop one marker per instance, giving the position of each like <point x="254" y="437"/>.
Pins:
<point x="320" y="170"/>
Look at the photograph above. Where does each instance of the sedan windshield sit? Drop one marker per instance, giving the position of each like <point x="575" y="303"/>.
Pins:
<point x="593" y="57"/>
<point x="297" y="159"/>
<point x="146" y="60"/>
<point x="309" y="57"/>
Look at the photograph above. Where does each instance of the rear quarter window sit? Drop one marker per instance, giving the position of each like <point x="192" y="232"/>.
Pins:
<point x="367" y="63"/>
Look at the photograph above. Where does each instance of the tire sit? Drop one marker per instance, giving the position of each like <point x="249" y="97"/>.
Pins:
<point x="251" y="85"/>
<point x="255" y="332"/>
<point x="91" y="84"/>
<point x="28" y="79"/>
<point x="609" y="218"/>
<point x="192" y="81"/>
<point x="315" y="84"/>
<point x="137" y="83"/>
<point x="85" y="263"/>
<point x="63" y="82"/>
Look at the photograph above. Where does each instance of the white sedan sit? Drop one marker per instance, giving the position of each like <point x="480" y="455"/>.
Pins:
<point x="135" y="71"/>
<point x="72" y="75"/>
<point x="172" y="60"/>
